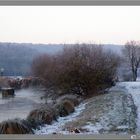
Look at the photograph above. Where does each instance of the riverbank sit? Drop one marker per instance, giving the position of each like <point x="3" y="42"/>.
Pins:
<point x="115" y="112"/>
<point x="112" y="113"/>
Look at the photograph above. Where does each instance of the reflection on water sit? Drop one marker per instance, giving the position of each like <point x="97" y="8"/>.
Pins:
<point x="19" y="106"/>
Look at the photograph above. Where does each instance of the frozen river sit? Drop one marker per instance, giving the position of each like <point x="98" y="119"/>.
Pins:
<point x="19" y="106"/>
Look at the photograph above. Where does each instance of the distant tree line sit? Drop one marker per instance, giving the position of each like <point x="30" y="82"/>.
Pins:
<point x="16" y="58"/>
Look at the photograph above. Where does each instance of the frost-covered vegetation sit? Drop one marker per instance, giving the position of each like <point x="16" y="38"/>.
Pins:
<point x="112" y="113"/>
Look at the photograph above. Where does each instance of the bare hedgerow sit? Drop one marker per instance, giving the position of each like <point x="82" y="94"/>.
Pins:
<point x="82" y="69"/>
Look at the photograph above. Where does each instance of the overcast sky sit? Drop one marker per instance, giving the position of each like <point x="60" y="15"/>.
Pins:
<point x="69" y="24"/>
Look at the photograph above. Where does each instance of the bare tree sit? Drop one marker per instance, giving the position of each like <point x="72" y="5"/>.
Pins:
<point x="132" y="54"/>
<point x="82" y="69"/>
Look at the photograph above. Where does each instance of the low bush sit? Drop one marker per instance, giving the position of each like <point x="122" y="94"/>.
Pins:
<point x="40" y="116"/>
<point x="64" y="108"/>
<point x="15" y="127"/>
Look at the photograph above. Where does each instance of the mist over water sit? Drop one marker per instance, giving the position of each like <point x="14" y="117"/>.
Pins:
<point x="19" y="106"/>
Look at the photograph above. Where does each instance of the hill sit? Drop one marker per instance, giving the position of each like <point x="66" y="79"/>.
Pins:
<point x="16" y="58"/>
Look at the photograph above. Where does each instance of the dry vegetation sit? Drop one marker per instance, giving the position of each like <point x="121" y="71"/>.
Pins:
<point x="15" y="126"/>
<point x="82" y="69"/>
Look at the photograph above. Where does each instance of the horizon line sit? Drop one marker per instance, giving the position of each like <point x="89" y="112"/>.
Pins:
<point x="61" y="43"/>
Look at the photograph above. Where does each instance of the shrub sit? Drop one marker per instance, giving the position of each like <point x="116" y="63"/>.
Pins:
<point x="4" y="82"/>
<point x="50" y="109"/>
<point x="73" y="98"/>
<point x="40" y="116"/>
<point x="14" y="127"/>
<point x="81" y="69"/>
<point x="64" y="108"/>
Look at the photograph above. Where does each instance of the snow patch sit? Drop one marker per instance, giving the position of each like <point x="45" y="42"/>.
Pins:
<point x="122" y="127"/>
<point x="56" y="126"/>
<point x="133" y="88"/>
<point x="91" y="128"/>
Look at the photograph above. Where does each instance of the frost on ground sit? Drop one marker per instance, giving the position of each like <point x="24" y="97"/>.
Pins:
<point x="56" y="126"/>
<point x="133" y="88"/>
<point x="109" y="113"/>
<point x="112" y="113"/>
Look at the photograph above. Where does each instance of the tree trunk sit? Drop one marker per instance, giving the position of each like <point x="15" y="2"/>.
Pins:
<point x="134" y="75"/>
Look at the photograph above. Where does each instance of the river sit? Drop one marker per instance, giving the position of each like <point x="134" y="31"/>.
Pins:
<point x="19" y="106"/>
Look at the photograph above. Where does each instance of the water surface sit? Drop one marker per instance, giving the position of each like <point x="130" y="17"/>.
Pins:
<point x="19" y="106"/>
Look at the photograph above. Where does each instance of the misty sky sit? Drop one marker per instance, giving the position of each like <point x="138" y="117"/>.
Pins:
<point x="69" y="24"/>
